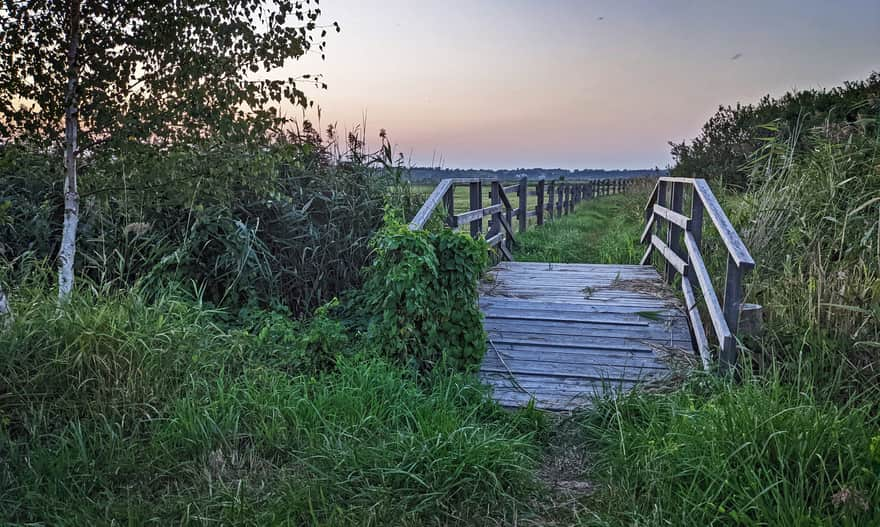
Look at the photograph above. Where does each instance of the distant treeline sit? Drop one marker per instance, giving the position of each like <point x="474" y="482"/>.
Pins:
<point x="425" y="174"/>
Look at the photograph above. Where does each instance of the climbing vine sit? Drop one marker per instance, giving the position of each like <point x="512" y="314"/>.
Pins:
<point x="422" y="291"/>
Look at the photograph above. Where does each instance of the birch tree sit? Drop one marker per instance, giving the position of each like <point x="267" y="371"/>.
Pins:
<point x="79" y="75"/>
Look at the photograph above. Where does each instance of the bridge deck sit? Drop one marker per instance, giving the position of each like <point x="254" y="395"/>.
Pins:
<point x="561" y="333"/>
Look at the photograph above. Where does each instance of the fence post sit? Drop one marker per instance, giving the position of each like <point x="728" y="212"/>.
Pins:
<point x="539" y="209"/>
<point x="673" y="231"/>
<point x="476" y="202"/>
<point x="559" y="200"/>
<point x="733" y="295"/>
<point x="449" y="203"/>
<point x="495" y="199"/>
<point x="523" y="194"/>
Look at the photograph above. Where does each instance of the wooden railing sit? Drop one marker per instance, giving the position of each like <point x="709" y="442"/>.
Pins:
<point x="666" y="208"/>
<point x="555" y="198"/>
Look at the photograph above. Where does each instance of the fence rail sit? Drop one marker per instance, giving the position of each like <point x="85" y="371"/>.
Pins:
<point x="681" y="252"/>
<point x="555" y="198"/>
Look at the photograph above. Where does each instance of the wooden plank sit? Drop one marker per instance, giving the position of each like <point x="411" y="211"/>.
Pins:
<point x="696" y="323"/>
<point x="599" y="344"/>
<point x="673" y="259"/>
<point x="495" y="239"/>
<point x="716" y="314"/>
<point x="646" y="233"/>
<point x="568" y="266"/>
<point x="587" y="309"/>
<point x="436" y="197"/>
<point x="504" y="248"/>
<point x="575" y="371"/>
<point x="673" y="217"/>
<point x="465" y="217"/>
<point x="567" y="331"/>
<point x="594" y="341"/>
<point x="735" y="246"/>
<point x="475" y="195"/>
<point x="644" y="359"/>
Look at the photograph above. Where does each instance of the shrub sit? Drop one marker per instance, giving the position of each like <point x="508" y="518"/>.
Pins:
<point x="421" y="294"/>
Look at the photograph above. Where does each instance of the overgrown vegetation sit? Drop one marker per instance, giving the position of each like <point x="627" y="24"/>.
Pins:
<point x="422" y="294"/>
<point x="147" y="409"/>
<point x="795" y="440"/>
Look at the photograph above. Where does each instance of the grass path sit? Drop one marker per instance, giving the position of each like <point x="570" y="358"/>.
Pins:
<point x="605" y="230"/>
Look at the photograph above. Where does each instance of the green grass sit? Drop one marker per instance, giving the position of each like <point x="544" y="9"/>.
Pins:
<point x="604" y="230"/>
<point x="718" y="453"/>
<point x="119" y="409"/>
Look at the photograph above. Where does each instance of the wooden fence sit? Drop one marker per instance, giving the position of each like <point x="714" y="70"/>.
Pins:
<point x="665" y="208"/>
<point x="555" y="198"/>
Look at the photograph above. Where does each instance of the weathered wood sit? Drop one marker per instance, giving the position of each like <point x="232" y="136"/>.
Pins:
<point x="751" y="320"/>
<point x="569" y="346"/>
<point x="671" y="216"/>
<point x="716" y="314"/>
<point x="434" y="200"/>
<point x="733" y="297"/>
<point x="467" y="217"/>
<point x="675" y="262"/>
<point x="522" y="194"/>
<point x="696" y="323"/>
<point x="476" y="202"/>
<point x="735" y="246"/>
<point x="539" y="208"/>
<point x="551" y="200"/>
<point x="673" y="233"/>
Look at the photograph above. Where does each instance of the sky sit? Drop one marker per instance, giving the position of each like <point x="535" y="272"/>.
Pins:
<point x="571" y="84"/>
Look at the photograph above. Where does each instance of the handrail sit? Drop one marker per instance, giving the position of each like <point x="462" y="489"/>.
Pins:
<point x="555" y="198"/>
<point x="665" y="207"/>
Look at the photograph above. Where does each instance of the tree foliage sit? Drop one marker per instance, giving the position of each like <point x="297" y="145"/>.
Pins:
<point x="150" y="70"/>
<point x="727" y="141"/>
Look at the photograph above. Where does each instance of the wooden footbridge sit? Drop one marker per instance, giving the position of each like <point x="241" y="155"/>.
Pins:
<point x="560" y="334"/>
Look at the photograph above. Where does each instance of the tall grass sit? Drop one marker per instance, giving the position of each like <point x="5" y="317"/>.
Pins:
<point x="119" y="410"/>
<point x="716" y="453"/>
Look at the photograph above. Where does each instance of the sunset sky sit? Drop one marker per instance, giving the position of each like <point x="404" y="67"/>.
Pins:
<point x="573" y="84"/>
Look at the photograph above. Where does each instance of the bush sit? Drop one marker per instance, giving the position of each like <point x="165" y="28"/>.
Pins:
<point x="730" y="137"/>
<point x="421" y="297"/>
<point x="281" y="223"/>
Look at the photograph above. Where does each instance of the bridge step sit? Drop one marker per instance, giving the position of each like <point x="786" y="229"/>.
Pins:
<point x="562" y="334"/>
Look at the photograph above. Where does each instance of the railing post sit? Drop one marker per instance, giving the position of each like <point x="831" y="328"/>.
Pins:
<point x="559" y="199"/>
<point x="476" y="202"/>
<point x="539" y="209"/>
<point x="733" y="296"/>
<point x="508" y="214"/>
<point x="673" y="231"/>
<point x="551" y="200"/>
<point x="523" y="195"/>
<point x="449" y="203"/>
<point x="495" y="199"/>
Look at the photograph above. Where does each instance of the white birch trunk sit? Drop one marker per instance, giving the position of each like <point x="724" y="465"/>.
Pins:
<point x="5" y="312"/>
<point x="67" y="251"/>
